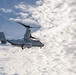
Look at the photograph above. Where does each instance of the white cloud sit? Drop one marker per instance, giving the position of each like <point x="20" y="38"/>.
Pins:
<point x="45" y="12"/>
<point x="22" y="6"/>
<point x="24" y="20"/>
<point x="17" y="19"/>
<point x="39" y="2"/>
<point x="6" y="10"/>
<point x="58" y="56"/>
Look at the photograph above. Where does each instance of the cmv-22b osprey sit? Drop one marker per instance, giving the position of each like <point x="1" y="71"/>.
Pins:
<point x="27" y="42"/>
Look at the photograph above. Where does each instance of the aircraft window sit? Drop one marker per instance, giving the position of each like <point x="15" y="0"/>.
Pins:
<point x="36" y="41"/>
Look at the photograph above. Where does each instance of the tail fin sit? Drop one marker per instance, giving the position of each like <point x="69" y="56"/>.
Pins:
<point x="2" y="38"/>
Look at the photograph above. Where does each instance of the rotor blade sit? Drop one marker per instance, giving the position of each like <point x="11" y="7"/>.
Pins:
<point x="33" y="37"/>
<point x="27" y="26"/>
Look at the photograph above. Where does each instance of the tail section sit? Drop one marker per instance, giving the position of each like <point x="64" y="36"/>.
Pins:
<point x="2" y="38"/>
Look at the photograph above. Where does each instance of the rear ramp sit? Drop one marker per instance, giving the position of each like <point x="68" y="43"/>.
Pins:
<point x="2" y="38"/>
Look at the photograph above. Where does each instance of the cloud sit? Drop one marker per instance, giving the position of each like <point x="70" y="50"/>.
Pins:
<point x="26" y="20"/>
<point x="6" y="10"/>
<point x="58" y="53"/>
<point x="39" y="2"/>
<point x="44" y="12"/>
<point x="24" y="15"/>
<point x="23" y="7"/>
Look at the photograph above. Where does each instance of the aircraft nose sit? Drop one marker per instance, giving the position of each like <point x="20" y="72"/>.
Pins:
<point x="42" y="44"/>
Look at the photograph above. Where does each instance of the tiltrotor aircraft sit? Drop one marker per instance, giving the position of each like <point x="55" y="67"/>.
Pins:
<point x="27" y="42"/>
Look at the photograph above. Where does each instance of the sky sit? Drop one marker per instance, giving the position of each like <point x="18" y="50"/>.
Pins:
<point x="7" y="6"/>
<point x="35" y="13"/>
<point x="7" y="11"/>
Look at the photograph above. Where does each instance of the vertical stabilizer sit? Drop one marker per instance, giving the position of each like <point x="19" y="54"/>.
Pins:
<point x="2" y="38"/>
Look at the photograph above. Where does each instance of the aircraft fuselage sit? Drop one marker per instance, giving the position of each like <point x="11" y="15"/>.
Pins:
<point x="26" y="43"/>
